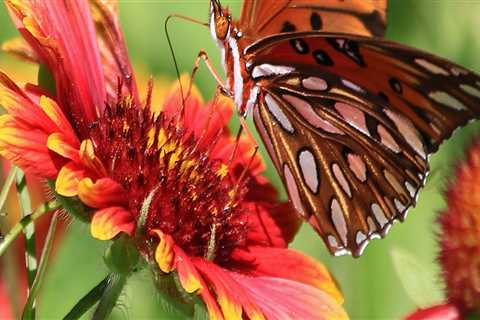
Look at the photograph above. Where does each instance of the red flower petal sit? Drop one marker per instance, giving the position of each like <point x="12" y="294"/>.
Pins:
<point x="279" y="263"/>
<point x="24" y="108"/>
<point x="62" y="34"/>
<point x="170" y="257"/>
<point x="68" y="178"/>
<point x="26" y="147"/>
<point x="440" y="312"/>
<point x="109" y="222"/>
<point x="164" y="254"/>
<point x="270" y="224"/>
<point x="103" y="193"/>
<point x="173" y="102"/>
<point x="276" y="298"/>
<point x="53" y="111"/>
<point x="113" y="50"/>
<point x="60" y="144"/>
<point x="89" y="159"/>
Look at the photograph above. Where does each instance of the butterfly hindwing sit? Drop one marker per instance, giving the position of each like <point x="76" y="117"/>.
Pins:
<point x="352" y="158"/>
<point x="261" y="18"/>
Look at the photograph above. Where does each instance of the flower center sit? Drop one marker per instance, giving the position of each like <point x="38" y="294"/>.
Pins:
<point x="171" y="184"/>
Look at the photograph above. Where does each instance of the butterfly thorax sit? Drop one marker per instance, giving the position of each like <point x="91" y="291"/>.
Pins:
<point x="229" y="39"/>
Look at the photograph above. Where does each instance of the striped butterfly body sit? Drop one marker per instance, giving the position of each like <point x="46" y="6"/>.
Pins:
<point x="348" y="118"/>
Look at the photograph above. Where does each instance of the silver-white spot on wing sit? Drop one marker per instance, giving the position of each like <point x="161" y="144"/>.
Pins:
<point x="411" y="189"/>
<point x="353" y="116"/>
<point x="433" y="68"/>
<point x="308" y="166"/>
<point x="266" y="70"/>
<point x="278" y="114"/>
<point x="447" y="100"/>
<point x="456" y="71"/>
<point x="339" y="221"/>
<point x="400" y="207"/>
<point x="387" y="139"/>
<point x="470" y="90"/>
<point x="306" y="111"/>
<point x="341" y="179"/>
<point x="362" y="242"/>
<point x="410" y="133"/>
<point x="352" y="86"/>
<point x="379" y="215"/>
<point x="293" y="190"/>
<point x="315" y="83"/>
<point x="357" y="166"/>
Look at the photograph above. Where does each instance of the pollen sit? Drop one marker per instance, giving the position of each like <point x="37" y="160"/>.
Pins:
<point x="173" y="185"/>
<point x="223" y="170"/>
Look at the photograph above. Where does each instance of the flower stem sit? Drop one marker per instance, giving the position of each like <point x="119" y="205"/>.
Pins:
<point x="24" y="222"/>
<point x="110" y="296"/>
<point x="28" y="310"/>
<point x="88" y="300"/>
<point x="7" y="186"/>
<point x="28" y="230"/>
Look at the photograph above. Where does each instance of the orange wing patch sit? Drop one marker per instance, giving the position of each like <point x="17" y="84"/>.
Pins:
<point x="261" y="18"/>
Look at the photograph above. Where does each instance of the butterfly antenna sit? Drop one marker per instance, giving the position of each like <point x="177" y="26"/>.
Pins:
<point x="172" y="52"/>
<point x="175" y="63"/>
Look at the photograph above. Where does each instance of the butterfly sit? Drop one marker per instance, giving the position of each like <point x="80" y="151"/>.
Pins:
<point x="348" y="118"/>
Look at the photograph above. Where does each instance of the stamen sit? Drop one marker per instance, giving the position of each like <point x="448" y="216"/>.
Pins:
<point x="212" y="243"/>
<point x="142" y="219"/>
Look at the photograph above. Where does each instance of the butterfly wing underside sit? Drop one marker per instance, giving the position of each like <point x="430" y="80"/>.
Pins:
<point x="349" y="123"/>
<point x="261" y="18"/>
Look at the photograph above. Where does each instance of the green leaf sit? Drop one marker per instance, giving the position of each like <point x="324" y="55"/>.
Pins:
<point x="110" y="296"/>
<point x="29" y="309"/>
<point x="200" y="311"/>
<point x="89" y="300"/>
<point x="416" y="277"/>
<point x="29" y="233"/>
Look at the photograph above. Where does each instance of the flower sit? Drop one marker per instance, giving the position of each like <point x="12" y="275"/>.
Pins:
<point x="189" y="195"/>
<point x="459" y="241"/>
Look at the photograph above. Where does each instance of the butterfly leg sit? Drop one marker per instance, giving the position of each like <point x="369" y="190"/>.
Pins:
<point x="202" y="56"/>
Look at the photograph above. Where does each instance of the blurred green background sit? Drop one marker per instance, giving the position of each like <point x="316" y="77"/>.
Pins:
<point x="373" y="287"/>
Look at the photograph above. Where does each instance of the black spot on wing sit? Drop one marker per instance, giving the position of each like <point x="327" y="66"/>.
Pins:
<point x="288" y="27"/>
<point x="300" y="45"/>
<point x="349" y="48"/>
<point x="395" y="85"/>
<point x="321" y="57"/>
<point x="316" y="21"/>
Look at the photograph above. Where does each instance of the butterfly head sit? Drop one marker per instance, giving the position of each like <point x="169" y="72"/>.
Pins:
<point x="220" y="22"/>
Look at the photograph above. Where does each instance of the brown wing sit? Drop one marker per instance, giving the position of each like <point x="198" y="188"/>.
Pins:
<point x="261" y="18"/>
<point x="349" y="123"/>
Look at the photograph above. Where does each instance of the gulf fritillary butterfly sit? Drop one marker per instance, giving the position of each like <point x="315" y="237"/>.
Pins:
<point x="348" y="118"/>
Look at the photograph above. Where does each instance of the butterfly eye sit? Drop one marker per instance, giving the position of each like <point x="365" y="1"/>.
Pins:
<point x="222" y="25"/>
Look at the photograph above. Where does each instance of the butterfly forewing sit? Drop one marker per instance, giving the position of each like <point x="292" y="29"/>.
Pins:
<point x="351" y="138"/>
<point x="261" y="18"/>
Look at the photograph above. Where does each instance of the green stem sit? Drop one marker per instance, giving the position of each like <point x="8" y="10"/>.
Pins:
<point x="88" y="300"/>
<point x="24" y="222"/>
<point x="28" y="310"/>
<point x="110" y="297"/>
<point x="29" y="230"/>
<point x="7" y="186"/>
